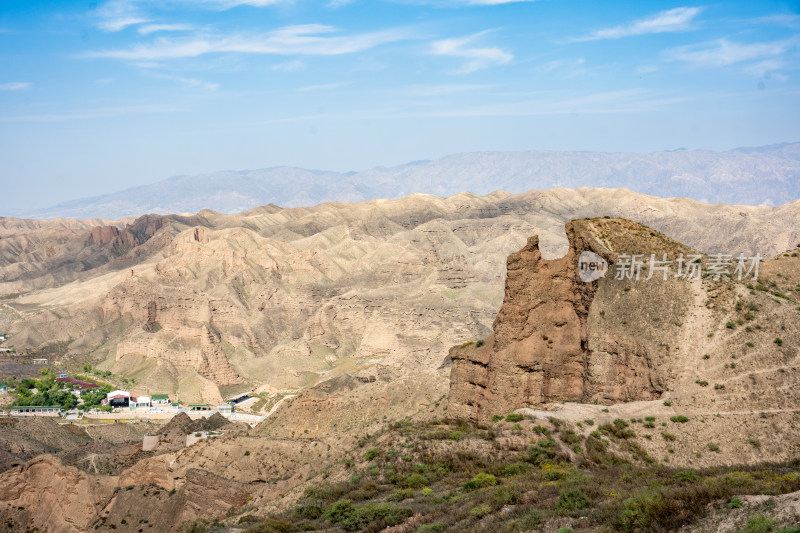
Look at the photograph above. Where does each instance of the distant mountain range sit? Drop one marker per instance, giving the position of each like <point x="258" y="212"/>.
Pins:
<point x="764" y="175"/>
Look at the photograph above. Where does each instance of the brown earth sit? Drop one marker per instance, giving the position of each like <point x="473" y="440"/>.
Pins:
<point x="351" y="310"/>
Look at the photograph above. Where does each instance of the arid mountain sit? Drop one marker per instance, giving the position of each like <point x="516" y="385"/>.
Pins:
<point x="354" y="308"/>
<point x="765" y="175"/>
<point x="280" y="299"/>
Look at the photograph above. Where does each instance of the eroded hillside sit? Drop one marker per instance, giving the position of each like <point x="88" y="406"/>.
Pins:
<point x="282" y="299"/>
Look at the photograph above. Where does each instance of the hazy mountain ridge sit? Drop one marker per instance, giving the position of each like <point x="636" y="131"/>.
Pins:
<point x="760" y="175"/>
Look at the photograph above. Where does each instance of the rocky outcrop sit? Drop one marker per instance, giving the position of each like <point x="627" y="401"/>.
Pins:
<point x="543" y="349"/>
<point x="49" y="495"/>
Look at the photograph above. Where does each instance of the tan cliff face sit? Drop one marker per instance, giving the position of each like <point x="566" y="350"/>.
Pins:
<point x="540" y="350"/>
<point x="560" y="339"/>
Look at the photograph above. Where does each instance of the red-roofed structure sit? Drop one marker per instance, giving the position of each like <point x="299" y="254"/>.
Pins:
<point x="78" y="384"/>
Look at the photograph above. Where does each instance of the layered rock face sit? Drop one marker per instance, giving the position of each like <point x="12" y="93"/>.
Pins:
<point x="547" y="345"/>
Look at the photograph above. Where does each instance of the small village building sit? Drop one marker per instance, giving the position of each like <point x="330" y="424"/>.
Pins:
<point x="40" y="361"/>
<point x="35" y="410"/>
<point x="226" y="409"/>
<point x="159" y="399"/>
<point x="118" y="398"/>
<point x="143" y="401"/>
<point x="199" y="407"/>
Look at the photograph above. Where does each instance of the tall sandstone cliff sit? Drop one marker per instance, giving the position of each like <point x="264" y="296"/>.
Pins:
<point x="558" y="338"/>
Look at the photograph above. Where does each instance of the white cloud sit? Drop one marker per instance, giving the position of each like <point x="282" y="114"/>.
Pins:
<point x="153" y="28"/>
<point x="289" y="66"/>
<point x="672" y="20"/>
<point x="722" y="52"/>
<point x="449" y="89"/>
<point x="116" y="15"/>
<point x="493" y="2"/>
<point x="544" y="103"/>
<point x="325" y="86"/>
<point x="308" y="39"/>
<point x="477" y="58"/>
<point x="460" y="3"/>
<point x="188" y="82"/>
<point x="14" y="86"/>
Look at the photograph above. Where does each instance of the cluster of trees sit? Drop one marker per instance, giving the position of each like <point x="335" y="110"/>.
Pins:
<point x="46" y="391"/>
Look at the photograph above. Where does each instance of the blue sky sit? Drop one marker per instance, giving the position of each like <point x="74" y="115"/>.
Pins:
<point x="98" y="96"/>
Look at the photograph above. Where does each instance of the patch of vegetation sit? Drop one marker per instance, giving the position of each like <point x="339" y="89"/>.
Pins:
<point x="452" y="486"/>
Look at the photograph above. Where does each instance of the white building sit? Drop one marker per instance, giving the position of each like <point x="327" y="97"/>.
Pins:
<point x="143" y="401"/>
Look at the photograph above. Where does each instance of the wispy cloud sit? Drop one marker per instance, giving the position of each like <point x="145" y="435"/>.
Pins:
<point x="14" y="86"/>
<point x="116" y="15"/>
<point x="671" y="20"/>
<point x="461" y="3"/>
<point x="492" y="2"/>
<point x="97" y="113"/>
<point x="325" y="86"/>
<point x="307" y="39"/>
<point x="153" y="28"/>
<point x="477" y="58"/>
<point x="289" y="66"/>
<point x="188" y="82"/>
<point x="447" y="89"/>
<point x="758" y="58"/>
<point x="545" y="103"/>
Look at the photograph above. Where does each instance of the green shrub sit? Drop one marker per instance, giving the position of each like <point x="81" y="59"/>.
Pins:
<point x="502" y="496"/>
<point x="679" y="419"/>
<point x="480" y="511"/>
<point x="735" y="503"/>
<point x="415" y="481"/>
<point x="730" y="325"/>
<point x="668" y="436"/>
<point x="667" y="403"/>
<point x="759" y="523"/>
<point x="543" y="452"/>
<point x="687" y="475"/>
<point x="431" y="528"/>
<point x="351" y="518"/>
<point x="755" y="443"/>
<point x="398" y="495"/>
<point x="497" y="418"/>
<point x="713" y="447"/>
<point x="529" y="522"/>
<point x="480" y="480"/>
<point x="650" y="419"/>
<point x="572" y="500"/>
<point x="371" y="454"/>
<point x="514" y="417"/>
<point x="778" y="341"/>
